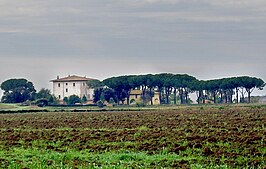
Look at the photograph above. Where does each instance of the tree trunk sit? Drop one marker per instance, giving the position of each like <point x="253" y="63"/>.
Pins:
<point x="175" y="96"/>
<point x="236" y="95"/>
<point x="143" y="94"/>
<point x="198" y="96"/>
<point x="249" y="98"/>
<point x="167" y="92"/>
<point x="160" y="95"/>
<point x="181" y="96"/>
<point x="186" y="97"/>
<point x="128" y="95"/>
<point x="231" y="96"/>
<point x="203" y="97"/>
<point x="151" y="96"/>
<point x="226" y="98"/>
<point x="214" y="97"/>
<point x="221" y="95"/>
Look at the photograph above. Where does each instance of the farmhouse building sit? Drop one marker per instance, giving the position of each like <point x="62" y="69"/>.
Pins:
<point x="72" y="85"/>
<point x="137" y="96"/>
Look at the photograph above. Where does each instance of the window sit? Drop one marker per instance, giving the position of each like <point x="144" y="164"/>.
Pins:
<point x="66" y="90"/>
<point x="74" y="84"/>
<point x="59" y="97"/>
<point x="83" y="84"/>
<point x="58" y="84"/>
<point x="89" y="96"/>
<point x="66" y="84"/>
<point x="136" y="96"/>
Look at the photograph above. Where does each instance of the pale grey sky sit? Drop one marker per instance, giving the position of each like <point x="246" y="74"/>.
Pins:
<point x="101" y="38"/>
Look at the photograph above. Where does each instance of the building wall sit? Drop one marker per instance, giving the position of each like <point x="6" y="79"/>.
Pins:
<point x="66" y="89"/>
<point x="156" y="98"/>
<point x="137" y="98"/>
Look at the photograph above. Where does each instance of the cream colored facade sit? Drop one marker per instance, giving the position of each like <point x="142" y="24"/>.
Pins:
<point x="136" y="96"/>
<point x="72" y="85"/>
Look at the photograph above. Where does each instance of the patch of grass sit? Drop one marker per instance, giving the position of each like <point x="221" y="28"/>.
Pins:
<point x="39" y="159"/>
<point x="4" y="106"/>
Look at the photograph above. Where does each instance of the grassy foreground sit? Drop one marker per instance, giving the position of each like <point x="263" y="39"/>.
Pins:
<point x="187" y="137"/>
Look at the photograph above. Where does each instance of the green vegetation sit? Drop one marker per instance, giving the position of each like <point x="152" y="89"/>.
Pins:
<point x="4" y="106"/>
<point x="180" y="86"/>
<point x="172" y="89"/>
<point x="17" y="91"/>
<point x="166" y="137"/>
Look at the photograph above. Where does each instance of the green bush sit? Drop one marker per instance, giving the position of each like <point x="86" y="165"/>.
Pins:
<point x="41" y="102"/>
<point x="140" y="104"/>
<point x="100" y="104"/>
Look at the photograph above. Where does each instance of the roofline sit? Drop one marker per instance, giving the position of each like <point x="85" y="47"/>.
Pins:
<point x="64" y="79"/>
<point x="58" y="80"/>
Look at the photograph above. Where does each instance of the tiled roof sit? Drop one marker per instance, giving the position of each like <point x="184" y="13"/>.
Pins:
<point x="71" y="78"/>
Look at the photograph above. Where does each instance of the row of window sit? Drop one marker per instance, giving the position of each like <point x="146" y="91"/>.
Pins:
<point x="74" y="84"/>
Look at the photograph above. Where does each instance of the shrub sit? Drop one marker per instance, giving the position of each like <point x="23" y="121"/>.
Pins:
<point x="73" y="99"/>
<point x="140" y="104"/>
<point x="41" y="102"/>
<point x="100" y="104"/>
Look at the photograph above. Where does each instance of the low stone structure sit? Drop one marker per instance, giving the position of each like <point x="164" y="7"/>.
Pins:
<point x="137" y="96"/>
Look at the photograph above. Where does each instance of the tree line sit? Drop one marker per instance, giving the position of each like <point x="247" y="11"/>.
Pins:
<point x="174" y="88"/>
<point x="22" y="90"/>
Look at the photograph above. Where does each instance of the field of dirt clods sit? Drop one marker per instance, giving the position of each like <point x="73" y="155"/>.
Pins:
<point x="199" y="136"/>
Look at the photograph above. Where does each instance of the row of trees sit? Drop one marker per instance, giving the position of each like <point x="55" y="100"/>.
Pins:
<point x="223" y="90"/>
<point x="22" y="90"/>
<point x="172" y="88"/>
<point x="176" y="87"/>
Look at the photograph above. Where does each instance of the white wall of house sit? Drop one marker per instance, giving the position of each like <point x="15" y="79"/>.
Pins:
<point x="66" y="89"/>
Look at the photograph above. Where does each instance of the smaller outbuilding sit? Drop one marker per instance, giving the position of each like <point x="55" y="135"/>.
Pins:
<point x="138" y="96"/>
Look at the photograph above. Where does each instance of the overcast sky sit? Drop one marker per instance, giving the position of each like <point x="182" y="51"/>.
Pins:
<point x="40" y="39"/>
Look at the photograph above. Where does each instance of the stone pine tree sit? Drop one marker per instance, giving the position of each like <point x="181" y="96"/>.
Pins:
<point x="17" y="91"/>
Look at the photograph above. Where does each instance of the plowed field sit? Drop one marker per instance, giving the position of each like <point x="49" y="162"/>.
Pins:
<point x="190" y="137"/>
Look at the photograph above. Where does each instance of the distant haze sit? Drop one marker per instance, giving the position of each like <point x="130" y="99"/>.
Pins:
<point x="207" y="39"/>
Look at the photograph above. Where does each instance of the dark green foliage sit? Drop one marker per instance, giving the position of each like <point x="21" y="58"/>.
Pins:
<point x="65" y="100"/>
<point x="84" y="99"/>
<point x="46" y="95"/>
<point x="41" y="102"/>
<point x="100" y="104"/>
<point x="181" y="85"/>
<point x="97" y="94"/>
<point x="17" y="91"/>
<point x="109" y="94"/>
<point x="164" y="83"/>
<point x="94" y="84"/>
<point x="73" y="99"/>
